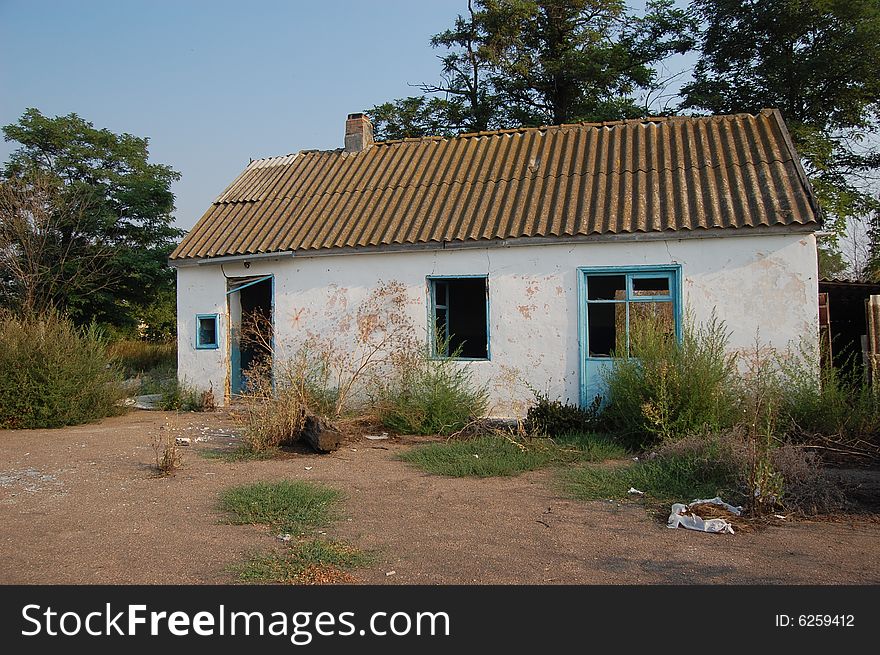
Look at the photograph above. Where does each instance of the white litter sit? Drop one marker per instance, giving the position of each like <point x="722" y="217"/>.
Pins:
<point x="308" y="468"/>
<point x="182" y="441"/>
<point x="283" y="537"/>
<point x="717" y="501"/>
<point x="683" y="516"/>
<point x="390" y="573"/>
<point x="633" y="490"/>
<point x="377" y="437"/>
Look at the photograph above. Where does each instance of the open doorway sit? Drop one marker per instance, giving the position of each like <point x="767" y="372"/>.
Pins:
<point x="251" y="341"/>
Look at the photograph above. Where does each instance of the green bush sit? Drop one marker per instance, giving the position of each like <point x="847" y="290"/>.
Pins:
<point x="553" y="417"/>
<point x="827" y="404"/>
<point x="54" y="374"/>
<point x="665" y="389"/>
<point x="182" y="397"/>
<point x="430" y="396"/>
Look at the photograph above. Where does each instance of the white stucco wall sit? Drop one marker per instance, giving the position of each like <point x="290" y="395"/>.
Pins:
<point x="760" y="286"/>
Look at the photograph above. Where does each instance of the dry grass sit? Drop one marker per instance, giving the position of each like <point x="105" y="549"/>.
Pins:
<point x="167" y="453"/>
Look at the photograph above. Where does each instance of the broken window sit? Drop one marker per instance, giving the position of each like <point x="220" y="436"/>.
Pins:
<point x="619" y="305"/>
<point x="206" y="331"/>
<point x="460" y="312"/>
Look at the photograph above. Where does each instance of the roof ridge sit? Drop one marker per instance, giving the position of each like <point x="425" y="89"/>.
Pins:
<point x="647" y="120"/>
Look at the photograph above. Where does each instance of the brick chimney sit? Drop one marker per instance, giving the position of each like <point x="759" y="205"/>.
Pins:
<point x="358" y="133"/>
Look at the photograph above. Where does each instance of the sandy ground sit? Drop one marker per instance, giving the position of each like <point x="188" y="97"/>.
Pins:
<point x="80" y="505"/>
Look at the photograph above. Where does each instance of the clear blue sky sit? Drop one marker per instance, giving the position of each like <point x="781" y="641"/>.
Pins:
<point x="214" y="83"/>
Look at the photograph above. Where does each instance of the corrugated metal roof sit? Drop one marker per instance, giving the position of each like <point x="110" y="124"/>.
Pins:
<point x="642" y="176"/>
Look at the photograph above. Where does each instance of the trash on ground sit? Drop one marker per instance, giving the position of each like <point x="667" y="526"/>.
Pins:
<point x="376" y="437"/>
<point x="283" y="537"/>
<point x="308" y="468"/>
<point x="717" y="501"/>
<point x="633" y="490"/>
<point x="390" y="573"/>
<point x="183" y="441"/>
<point x="687" y="516"/>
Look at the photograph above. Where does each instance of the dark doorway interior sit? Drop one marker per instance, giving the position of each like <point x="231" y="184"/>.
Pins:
<point x="253" y="335"/>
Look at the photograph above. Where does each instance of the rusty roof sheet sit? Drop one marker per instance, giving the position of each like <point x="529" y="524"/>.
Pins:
<point x="641" y="176"/>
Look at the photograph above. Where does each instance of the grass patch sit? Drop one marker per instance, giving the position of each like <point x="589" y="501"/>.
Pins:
<point x="314" y="561"/>
<point x="673" y="478"/>
<point x="240" y="454"/>
<point x="289" y="506"/>
<point x="590" y="447"/>
<point x="490" y="456"/>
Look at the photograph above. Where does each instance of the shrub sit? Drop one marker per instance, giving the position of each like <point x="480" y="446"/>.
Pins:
<point x="665" y="389"/>
<point x="806" y="489"/>
<point x="553" y="417"/>
<point x="828" y="404"/>
<point x="54" y="374"/>
<point x="182" y="397"/>
<point x="429" y="396"/>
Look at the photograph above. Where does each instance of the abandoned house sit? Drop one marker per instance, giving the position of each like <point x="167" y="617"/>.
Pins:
<point x="534" y="251"/>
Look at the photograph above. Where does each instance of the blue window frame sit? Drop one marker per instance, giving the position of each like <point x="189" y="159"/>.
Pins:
<point x="459" y="316"/>
<point x="613" y="302"/>
<point x="207" y="332"/>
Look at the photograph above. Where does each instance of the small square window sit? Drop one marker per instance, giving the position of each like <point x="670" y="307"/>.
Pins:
<point x="460" y="311"/>
<point x="206" y="331"/>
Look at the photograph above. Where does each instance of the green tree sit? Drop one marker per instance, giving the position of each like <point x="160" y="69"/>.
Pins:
<point x="127" y="216"/>
<point x="510" y="63"/>
<point x="463" y="100"/>
<point x="560" y="61"/>
<point x="817" y="62"/>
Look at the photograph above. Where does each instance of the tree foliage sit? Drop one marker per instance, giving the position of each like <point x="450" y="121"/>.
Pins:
<point x="814" y="60"/>
<point x="101" y="194"/>
<point x="509" y="63"/>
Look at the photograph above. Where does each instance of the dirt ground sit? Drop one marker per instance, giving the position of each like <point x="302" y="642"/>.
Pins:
<point x="80" y="505"/>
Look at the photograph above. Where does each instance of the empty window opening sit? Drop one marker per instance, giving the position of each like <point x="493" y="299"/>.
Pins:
<point x="460" y="309"/>
<point x="206" y="331"/>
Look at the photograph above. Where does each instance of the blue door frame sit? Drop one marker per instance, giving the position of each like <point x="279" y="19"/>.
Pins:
<point x="590" y="368"/>
<point x="235" y="372"/>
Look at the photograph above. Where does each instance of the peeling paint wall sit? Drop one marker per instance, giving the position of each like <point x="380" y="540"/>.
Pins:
<point x="761" y="286"/>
